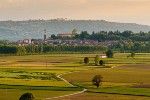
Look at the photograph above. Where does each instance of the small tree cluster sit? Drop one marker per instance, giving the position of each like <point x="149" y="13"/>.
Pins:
<point x="99" y="62"/>
<point x="96" y="60"/>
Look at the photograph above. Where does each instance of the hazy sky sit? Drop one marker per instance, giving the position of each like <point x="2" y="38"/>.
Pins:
<point x="132" y="11"/>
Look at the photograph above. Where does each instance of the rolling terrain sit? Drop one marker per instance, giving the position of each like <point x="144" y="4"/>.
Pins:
<point x="47" y="77"/>
<point x="14" y="30"/>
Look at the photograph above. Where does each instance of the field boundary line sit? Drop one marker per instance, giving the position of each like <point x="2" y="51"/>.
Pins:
<point x="84" y="90"/>
<point x="119" y="94"/>
<point x="76" y="93"/>
<point x="60" y="77"/>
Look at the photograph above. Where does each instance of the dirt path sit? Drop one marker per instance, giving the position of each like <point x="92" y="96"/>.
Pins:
<point x="73" y="94"/>
<point x="76" y="93"/>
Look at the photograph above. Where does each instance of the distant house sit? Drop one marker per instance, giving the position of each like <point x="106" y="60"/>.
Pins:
<point x="26" y="41"/>
<point x="62" y="35"/>
<point x="103" y="56"/>
<point x="23" y="42"/>
<point x="36" y="41"/>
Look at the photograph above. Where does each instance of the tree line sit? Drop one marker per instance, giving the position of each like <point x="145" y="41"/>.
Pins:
<point x="130" y="46"/>
<point x="103" y="36"/>
<point x="126" y="41"/>
<point x="37" y="49"/>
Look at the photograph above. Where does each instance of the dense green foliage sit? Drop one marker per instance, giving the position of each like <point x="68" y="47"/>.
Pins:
<point x="109" y="53"/>
<point x="131" y="46"/>
<point x="126" y="41"/>
<point x="81" y="49"/>
<point x="114" y="36"/>
<point x="32" y="49"/>
<point x="8" y="49"/>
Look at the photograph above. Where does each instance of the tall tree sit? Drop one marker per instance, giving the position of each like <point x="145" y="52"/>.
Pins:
<point x="86" y="60"/>
<point x="97" y="80"/>
<point x="96" y="60"/>
<point x="109" y="53"/>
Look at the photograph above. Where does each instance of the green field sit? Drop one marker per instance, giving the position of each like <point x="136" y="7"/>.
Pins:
<point x="125" y="78"/>
<point x="102" y="96"/>
<point x="14" y="94"/>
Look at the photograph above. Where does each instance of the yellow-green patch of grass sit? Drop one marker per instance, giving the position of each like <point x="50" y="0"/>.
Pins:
<point x="111" y="75"/>
<point x="123" y="90"/>
<point x="104" y="84"/>
<point x="32" y="82"/>
<point x="103" y="96"/>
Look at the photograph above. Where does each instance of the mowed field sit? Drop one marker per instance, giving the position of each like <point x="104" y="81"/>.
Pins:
<point x="125" y="78"/>
<point x="101" y="96"/>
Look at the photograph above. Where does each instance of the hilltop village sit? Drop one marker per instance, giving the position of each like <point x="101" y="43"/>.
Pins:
<point x="68" y="39"/>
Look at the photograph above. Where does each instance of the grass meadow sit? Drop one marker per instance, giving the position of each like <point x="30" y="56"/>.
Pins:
<point x="123" y="78"/>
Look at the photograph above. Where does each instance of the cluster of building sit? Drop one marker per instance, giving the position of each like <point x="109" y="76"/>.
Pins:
<point x="64" y="39"/>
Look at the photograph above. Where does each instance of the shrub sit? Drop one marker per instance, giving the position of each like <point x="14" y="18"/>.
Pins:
<point x="27" y="96"/>
<point x="132" y="54"/>
<point x="101" y="62"/>
<point x="86" y="60"/>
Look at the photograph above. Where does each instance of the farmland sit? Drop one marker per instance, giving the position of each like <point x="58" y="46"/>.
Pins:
<point x="125" y="78"/>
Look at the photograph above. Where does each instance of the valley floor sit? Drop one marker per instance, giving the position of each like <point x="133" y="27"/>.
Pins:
<point x="123" y="78"/>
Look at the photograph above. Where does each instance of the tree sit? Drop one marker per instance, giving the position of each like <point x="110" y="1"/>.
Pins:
<point x="21" y="50"/>
<point x="109" y="53"/>
<point x="27" y="96"/>
<point x="84" y="35"/>
<point x="86" y="60"/>
<point x="74" y="31"/>
<point x="96" y="60"/>
<point x="53" y="36"/>
<point x="126" y="33"/>
<point x="132" y="54"/>
<point x="97" y="80"/>
<point x="101" y="62"/>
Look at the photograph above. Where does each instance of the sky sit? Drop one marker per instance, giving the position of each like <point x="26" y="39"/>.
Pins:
<point x="127" y="11"/>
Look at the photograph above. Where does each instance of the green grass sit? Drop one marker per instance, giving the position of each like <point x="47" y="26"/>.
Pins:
<point x="31" y="77"/>
<point x="123" y="91"/>
<point x="112" y="75"/>
<point x="37" y="74"/>
<point x="103" y="96"/>
<point x="51" y="88"/>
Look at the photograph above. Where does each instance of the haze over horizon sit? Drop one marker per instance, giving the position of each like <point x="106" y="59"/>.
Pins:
<point x="126" y="11"/>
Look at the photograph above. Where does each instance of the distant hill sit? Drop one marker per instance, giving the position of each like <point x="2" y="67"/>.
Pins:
<point x="14" y="30"/>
